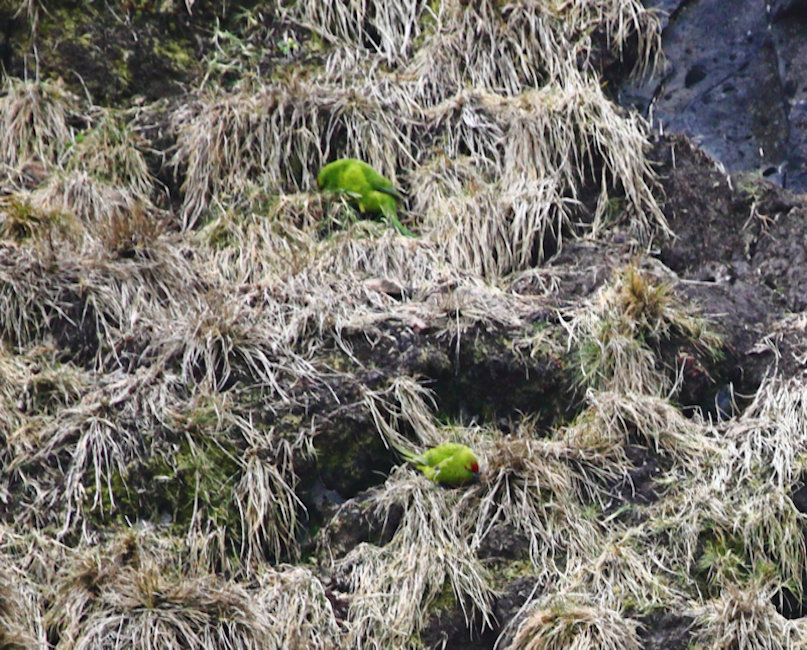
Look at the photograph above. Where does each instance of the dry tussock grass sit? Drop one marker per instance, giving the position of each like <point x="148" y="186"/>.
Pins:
<point x="20" y="609"/>
<point x="388" y="28"/>
<point x="34" y="120"/>
<point x="735" y="501"/>
<point x="128" y="339"/>
<point x="540" y="489"/>
<point x="299" y="612"/>
<point x="567" y="620"/>
<point x="280" y="133"/>
<point x="131" y="595"/>
<point x="392" y="586"/>
<point x="619" y="334"/>
<point x="744" y="617"/>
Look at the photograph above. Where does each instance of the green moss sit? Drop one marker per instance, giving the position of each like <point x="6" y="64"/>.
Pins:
<point x="21" y="221"/>
<point x="350" y="456"/>
<point x="175" y="52"/>
<point x="723" y="559"/>
<point x="187" y="481"/>
<point x="445" y="600"/>
<point x="507" y="571"/>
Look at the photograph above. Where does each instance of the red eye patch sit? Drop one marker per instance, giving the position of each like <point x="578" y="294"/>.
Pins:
<point x="475" y="468"/>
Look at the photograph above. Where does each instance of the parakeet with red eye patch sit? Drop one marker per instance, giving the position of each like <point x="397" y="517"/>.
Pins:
<point x="450" y="464"/>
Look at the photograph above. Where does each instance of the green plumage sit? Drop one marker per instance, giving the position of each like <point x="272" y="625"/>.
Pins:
<point x="450" y="463"/>
<point x="370" y="191"/>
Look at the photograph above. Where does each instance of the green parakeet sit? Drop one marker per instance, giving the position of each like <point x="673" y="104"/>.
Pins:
<point x="450" y="463"/>
<point x="372" y="192"/>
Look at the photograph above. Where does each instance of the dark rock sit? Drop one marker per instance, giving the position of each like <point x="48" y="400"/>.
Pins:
<point x="319" y="501"/>
<point x="795" y="10"/>
<point x="513" y="597"/>
<point x="504" y="541"/>
<point x="356" y="521"/>
<point x="718" y="252"/>
<point x="799" y="498"/>
<point x="448" y="630"/>
<point x="639" y="486"/>
<point x="665" y="631"/>
<point x="735" y="82"/>
<point x="789" y="604"/>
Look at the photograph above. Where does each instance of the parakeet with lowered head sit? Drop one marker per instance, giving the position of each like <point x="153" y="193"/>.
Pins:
<point x="372" y="192"/>
<point x="451" y="464"/>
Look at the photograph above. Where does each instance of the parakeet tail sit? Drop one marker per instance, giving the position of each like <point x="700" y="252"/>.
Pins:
<point x="405" y="453"/>
<point x="392" y="216"/>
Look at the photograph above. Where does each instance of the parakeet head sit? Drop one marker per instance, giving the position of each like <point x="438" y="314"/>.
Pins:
<point x="469" y="461"/>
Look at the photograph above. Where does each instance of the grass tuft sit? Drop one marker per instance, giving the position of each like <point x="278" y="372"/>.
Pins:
<point x="744" y="616"/>
<point x="568" y="621"/>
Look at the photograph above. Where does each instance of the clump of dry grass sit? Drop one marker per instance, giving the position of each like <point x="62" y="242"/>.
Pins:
<point x="86" y="199"/>
<point x="72" y="458"/>
<point x="622" y="416"/>
<point x="280" y="133"/>
<point x="769" y="441"/>
<point x="516" y="197"/>
<point x="238" y="475"/>
<point x="731" y="512"/>
<point x="503" y="48"/>
<point x="405" y="401"/>
<point x="534" y="487"/>
<point x="388" y="28"/>
<point x="29" y="295"/>
<point x="766" y="449"/>
<point x="130" y="595"/>
<point x="110" y="151"/>
<point x="34" y="122"/>
<point x="87" y="185"/>
<point x="266" y="496"/>
<point x="297" y="606"/>
<point x="21" y="221"/>
<point x="624" y="575"/>
<point x="20" y="609"/>
<point x="215" y="336"/>
<point x="620" y="331"/>
<point x="279" y="238"/>
<point x="570" y="620"/>
<point x="392" y="586"/>
<point x="506" y="48"/>
<point x="744" y="616"/>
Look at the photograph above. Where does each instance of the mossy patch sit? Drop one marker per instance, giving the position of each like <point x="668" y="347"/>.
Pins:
<point x="118" y="58"/>
<point x="183" y="481"/>
<point x="22" y="222"/>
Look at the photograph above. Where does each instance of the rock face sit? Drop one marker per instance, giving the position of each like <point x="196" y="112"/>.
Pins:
<point x="735" y="82"/>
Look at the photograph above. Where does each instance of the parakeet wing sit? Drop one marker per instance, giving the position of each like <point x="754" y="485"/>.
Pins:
<point x="452" y="471"/>
<point x="441" y="452"/>
<point x="380" y="183"/>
